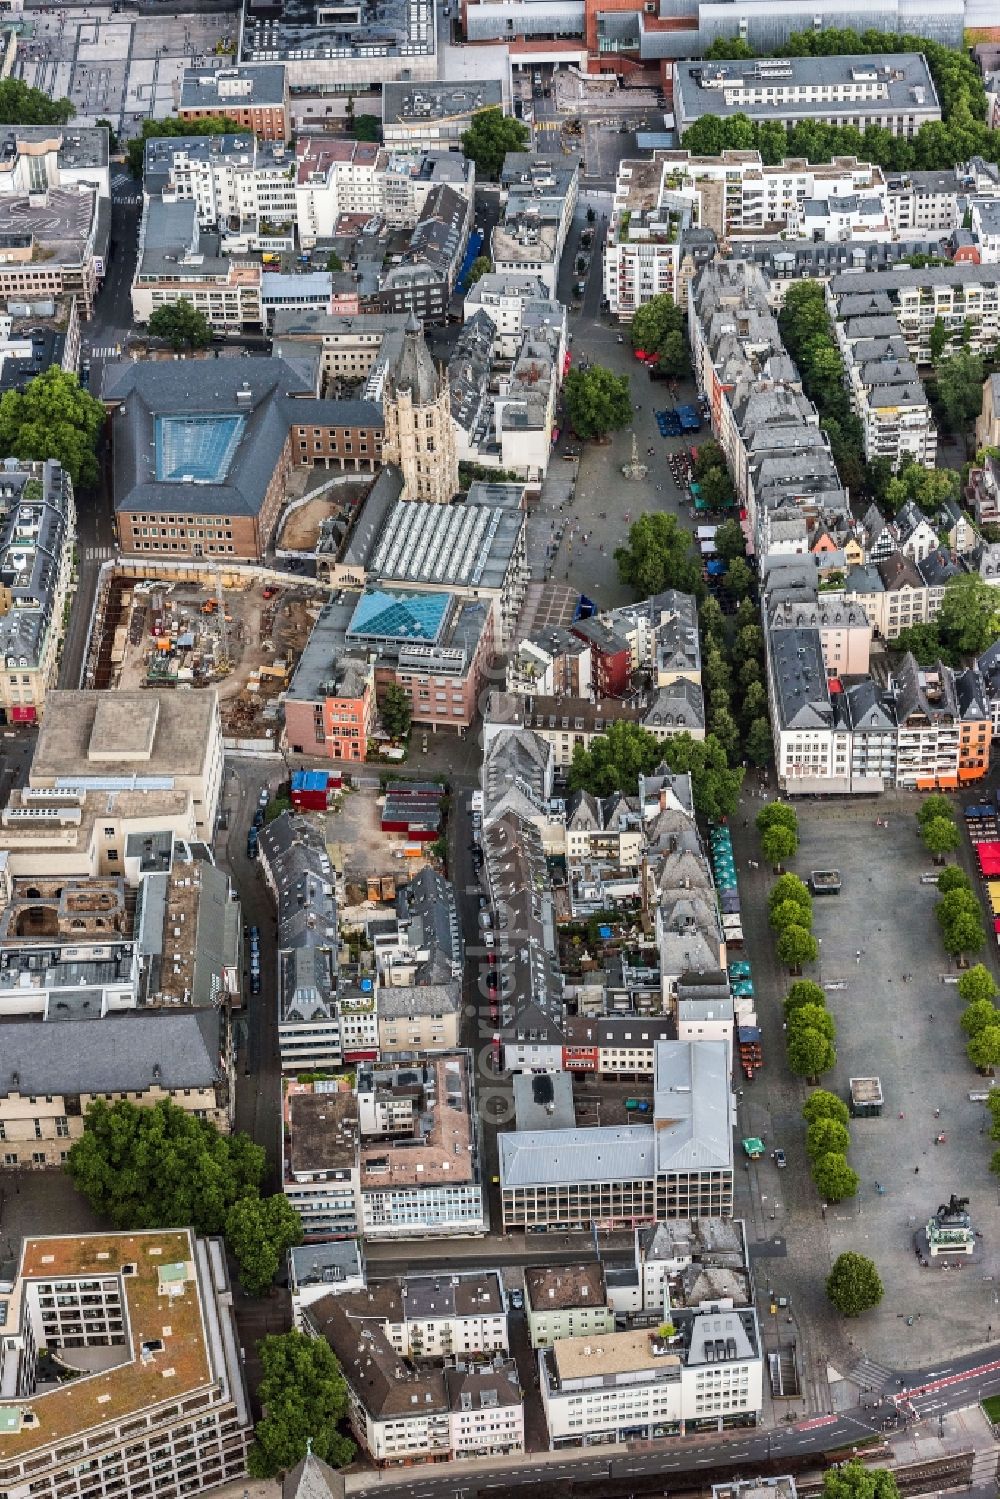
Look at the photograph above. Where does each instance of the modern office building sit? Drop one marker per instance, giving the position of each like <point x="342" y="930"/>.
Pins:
<point x="134" y="741"/>
<point x="157" y="1402"/>
<point x="679" y="1165"/>
<point x="891" y="90"/>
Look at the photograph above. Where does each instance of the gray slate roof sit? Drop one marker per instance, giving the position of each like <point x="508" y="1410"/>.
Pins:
<point x="113" y="1055"/>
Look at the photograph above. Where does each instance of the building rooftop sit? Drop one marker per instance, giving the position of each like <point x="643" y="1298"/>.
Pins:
<point x="899" y="81"/>
<point x="604" y="1354"/>
<point x="555" y="1288"/>
<point x="87" y="736"/>
<point x="56" y="227"/>
<point x="544" y="1100"/>
<point x="441" y="1148"/>
<point x="324" y="1132"/>
<point x="415" y="104"/>
<point x="303" y="30"/>
<point x="76" y="146"/>
<point x="167" y="1355"/>
<point x="128" y="1051"/>
<point x="451" y="546"/>
<point x="244" y="87"/>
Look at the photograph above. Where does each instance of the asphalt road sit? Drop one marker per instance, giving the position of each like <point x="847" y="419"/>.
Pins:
<point x="920" y="1396"/>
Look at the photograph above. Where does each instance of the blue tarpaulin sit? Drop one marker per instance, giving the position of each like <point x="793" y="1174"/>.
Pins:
<point x="472" y="250"/>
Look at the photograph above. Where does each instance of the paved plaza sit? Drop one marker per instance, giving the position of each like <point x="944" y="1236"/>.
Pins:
<point x="122" y="68"/>
<point x="884" y="1029"/>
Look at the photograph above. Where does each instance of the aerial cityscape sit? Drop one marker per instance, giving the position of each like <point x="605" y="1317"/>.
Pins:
<point x="499" y="749"/>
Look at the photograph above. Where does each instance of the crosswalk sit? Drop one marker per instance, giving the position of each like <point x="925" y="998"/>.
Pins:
<point x="104" y="351"/>
<point x="99" y="554"/>
<point x="869" y="1375"/>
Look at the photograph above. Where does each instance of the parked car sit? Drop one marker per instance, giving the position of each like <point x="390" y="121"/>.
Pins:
<point x="265" y="797"/>
<point x="517" y="1300"/>
<point x="779" y="1159"/>
<point x="255" y="983"/>
<point x="258" y="818"/>
<point x="253" y="848"/>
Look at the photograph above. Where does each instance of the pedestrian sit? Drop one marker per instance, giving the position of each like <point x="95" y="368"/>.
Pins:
<point x="916" y="1170"/>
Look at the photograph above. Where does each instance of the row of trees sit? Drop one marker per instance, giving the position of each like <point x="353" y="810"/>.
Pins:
<point x="163" y="1168"/>
<point x="732" y="672"/>
<point x="809" y="338"/>
<point x="961" y="133"/>
<point x="828" y="1139"/>
<point x="791" y="917"/>
<point x="980" y="1019"/>
<point x="959" y="914"/>
<point x="938" y="829"/>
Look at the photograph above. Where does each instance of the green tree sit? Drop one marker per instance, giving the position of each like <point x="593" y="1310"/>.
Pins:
<point x="978" y="1016"/>
<point x="854" y="1481"/>
<point x="161" y="1167"/>
<point x="480" y="267"/>
<point x="21" y="105"/>
<point x="778" y="843"/>
<point x="790" y="887"/>
<point x="924" y="644"/>
<point x="796" y="946"/>
<point x="738" y="579"/>
<point x="825" y="1105"/>
<point x="717" y="493"/>
<point x="489" y="138"/>
<point x="810" y="1054"/>
<point x="653" y="323"/>
<point x="853" y="1286"/>
<point x="597" y="400"/>
<point x="803" y="992"/>
<point x="151" y="129"/>
<point x="304" y="1397"/>
<point x="754" y="704"/>
<point x="789" y="912"/>
<point x="977" y="984"/>
<point x="396" y="711"/>
<point x="674" y="358"/>
<point x="834" y="1178"/>
<point x="824" y="1135"/>
<point x="933" y="807"/>
<point x="334" y="263"/>
<point x="759" y="744"/>
<point x="712" y="620"/>
<point x="778" y="815"/>
<point x="813" y="1018"/>
<point x="259" y="1232"/>
<point x="657" y="556"/>
<point x="749" y="644"/>
<point x="940" y="837"/>
<point x="953" y="878"/>
<point x="181" y="324"/>
<point x="714" y="783"/>
<point x="730" y="542"/>
<point x="960" y="389"/>
<point x="983" y="1049"/>
<point x="750" y="670"/>
<point x="960" y="919"/>
<point x="938" y="339"/>
<point x="725" y="729"/>
<point x="968" y="620"/>
<point x="366" y="128"/>
<point x="615" y="760"/>
<point x="54" y="418"/>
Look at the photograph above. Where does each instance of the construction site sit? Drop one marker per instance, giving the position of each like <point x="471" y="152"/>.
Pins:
<point x="227" y="631"/>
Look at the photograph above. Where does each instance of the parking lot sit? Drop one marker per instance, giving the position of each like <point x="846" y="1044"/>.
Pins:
<point x="905" y="1032"/>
